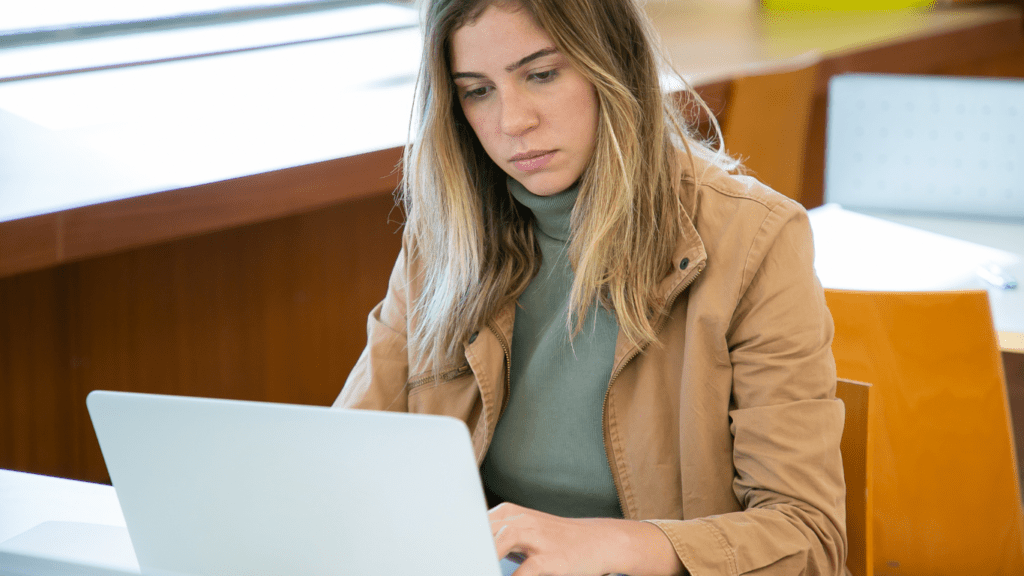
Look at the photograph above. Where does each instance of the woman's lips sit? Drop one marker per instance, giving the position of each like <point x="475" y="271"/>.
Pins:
<point x="532" y="161"/>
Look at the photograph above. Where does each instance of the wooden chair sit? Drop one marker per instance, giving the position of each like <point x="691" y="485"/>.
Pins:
<point x="944" y="489"/>
<point x="766" y="122"/>
<point x="856" y="449"/>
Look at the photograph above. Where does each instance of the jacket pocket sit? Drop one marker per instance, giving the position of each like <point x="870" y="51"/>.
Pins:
<point x="454" y="393"/>
<point x="426" y="378"/>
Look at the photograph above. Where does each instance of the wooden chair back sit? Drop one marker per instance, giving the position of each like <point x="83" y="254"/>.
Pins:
<point x="766" y="123"/>
<point x="856" y="449"/>
<point x="944" y="488"/>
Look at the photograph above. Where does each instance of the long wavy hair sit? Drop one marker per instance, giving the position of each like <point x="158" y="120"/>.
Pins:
<point x="475" y="243"/>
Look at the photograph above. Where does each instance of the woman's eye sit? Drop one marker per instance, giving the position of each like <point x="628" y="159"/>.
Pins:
<point x="545" y="76"/>
<point x="476" y="93"/>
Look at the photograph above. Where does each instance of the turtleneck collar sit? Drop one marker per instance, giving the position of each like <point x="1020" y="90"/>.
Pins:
<point x="552" y="213"/>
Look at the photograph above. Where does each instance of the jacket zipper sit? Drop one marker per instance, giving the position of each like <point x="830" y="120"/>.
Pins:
<point x="636" y="351"/>
<point x="508" y="371"/>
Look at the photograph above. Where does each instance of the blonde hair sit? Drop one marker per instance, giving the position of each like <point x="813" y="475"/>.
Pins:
<point x="476" y="244"/>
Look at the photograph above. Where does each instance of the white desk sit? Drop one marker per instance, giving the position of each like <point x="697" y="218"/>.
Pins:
<point x="28" y="499"/>
<point x="84" y="525"/>
<point x="872" y="251"/>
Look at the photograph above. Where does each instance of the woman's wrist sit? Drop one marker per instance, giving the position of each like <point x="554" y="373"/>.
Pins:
<point x="641" y="549"/>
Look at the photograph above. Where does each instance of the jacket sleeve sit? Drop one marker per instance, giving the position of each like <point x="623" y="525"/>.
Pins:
<point x="378" y="380"/>
<point x="785" y="421"/>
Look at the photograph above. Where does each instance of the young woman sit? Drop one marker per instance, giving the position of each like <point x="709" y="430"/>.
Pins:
<point x="634" y="335"/>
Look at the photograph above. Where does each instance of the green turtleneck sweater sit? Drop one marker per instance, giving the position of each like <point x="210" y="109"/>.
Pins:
<point x="548" y="449"/>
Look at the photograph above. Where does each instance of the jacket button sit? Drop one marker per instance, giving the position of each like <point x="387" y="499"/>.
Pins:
<point x="473" y="337"/>
<point x="684" y="263"/>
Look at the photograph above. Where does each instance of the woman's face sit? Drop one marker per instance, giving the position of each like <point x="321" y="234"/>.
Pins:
<point x="535" y="115"/>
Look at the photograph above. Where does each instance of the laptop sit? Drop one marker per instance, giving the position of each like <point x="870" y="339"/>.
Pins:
<point x="221" y="487"/>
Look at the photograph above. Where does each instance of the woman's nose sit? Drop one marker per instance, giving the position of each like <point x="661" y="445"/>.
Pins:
<point x="518" y="115"/>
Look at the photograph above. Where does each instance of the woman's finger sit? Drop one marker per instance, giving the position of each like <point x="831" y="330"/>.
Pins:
<point x="505" y="509"/>
<point x="529" y="567"/>
<point x="501" y="516"/>
<point x="505" y="542"/>
<point x="517" y="557"/>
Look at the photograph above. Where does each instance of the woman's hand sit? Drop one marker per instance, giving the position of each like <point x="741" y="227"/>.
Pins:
<point x="556" y="546"/>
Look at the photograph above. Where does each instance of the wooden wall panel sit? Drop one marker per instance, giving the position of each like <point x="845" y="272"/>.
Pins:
<point x="273" y="311"/>
<point x="33" y="372"/>
<point x="1005" y="66"/>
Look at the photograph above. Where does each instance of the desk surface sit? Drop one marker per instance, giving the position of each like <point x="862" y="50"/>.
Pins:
<point x="708" y="42"/>
<point x="1007" y="305"/>
<point x="152" y="153"/>
<point x="29" y="499"/>
<point x="882" y="257"/>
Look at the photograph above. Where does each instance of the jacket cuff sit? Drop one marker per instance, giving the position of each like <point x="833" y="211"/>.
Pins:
<point x="700" y="547"/>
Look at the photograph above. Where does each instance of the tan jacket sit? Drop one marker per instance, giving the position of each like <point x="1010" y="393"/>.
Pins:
<point x="726" y="434"/>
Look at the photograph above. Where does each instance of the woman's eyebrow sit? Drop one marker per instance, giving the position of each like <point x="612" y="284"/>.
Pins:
<point x="511" y="67"/>
<point x="523" y="61"/>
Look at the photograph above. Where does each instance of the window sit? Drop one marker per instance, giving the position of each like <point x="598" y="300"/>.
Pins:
<point x="108" y="116"/>
<point x="51" y="37"/>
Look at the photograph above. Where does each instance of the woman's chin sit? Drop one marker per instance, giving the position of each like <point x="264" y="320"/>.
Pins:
<point x="544" y="184"/>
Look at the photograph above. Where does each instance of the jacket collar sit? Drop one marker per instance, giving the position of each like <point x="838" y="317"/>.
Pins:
<point x="688" y="260"/>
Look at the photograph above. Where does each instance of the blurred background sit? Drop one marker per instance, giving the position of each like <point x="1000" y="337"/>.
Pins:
<point x="196" y="196"/>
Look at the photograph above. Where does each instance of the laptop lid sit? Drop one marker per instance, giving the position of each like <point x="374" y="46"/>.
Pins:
<point x="221" y="487"/>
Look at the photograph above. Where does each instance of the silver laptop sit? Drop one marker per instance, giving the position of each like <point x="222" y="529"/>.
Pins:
<point x="219" y="487"/>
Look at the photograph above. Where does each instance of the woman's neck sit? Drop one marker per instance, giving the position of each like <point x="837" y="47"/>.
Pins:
<point x="552" y="213"/>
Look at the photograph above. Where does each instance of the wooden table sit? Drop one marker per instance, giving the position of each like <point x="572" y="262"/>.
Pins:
<point x="220" y="227"/>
